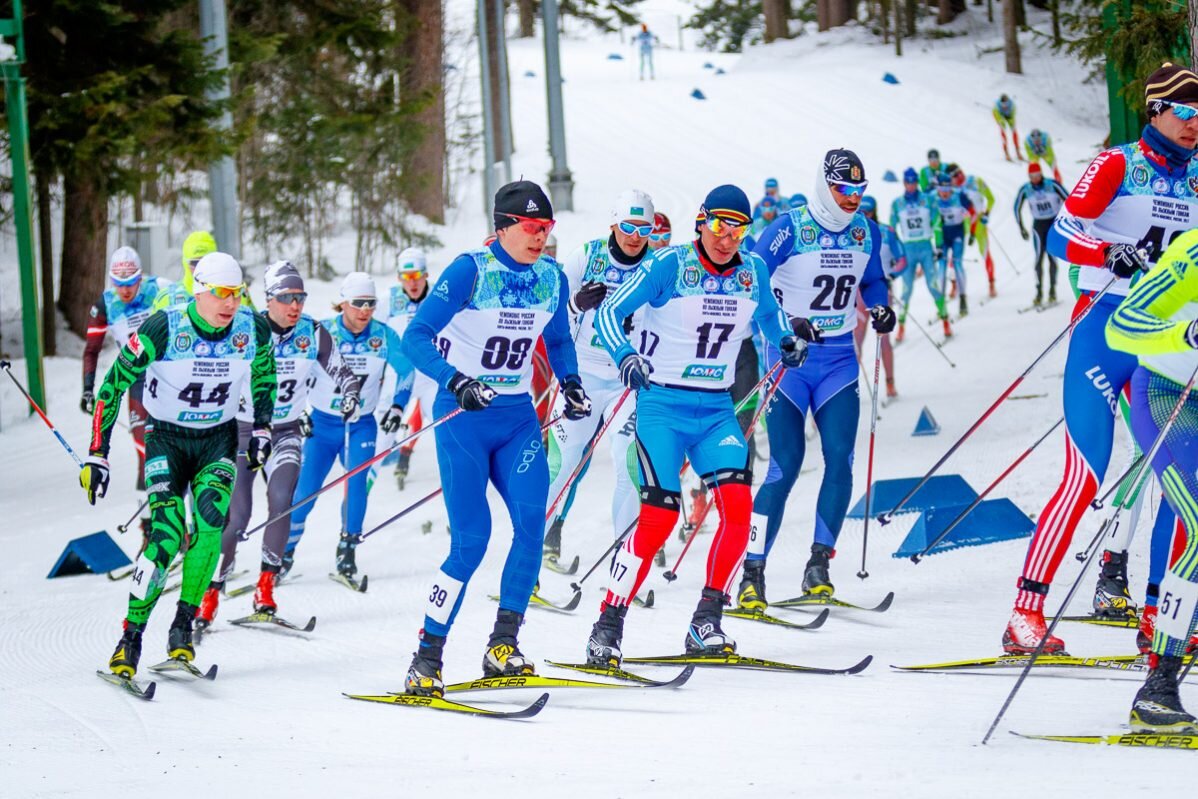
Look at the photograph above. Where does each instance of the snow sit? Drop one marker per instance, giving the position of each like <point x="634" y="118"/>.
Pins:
<point x="275" y="719"/>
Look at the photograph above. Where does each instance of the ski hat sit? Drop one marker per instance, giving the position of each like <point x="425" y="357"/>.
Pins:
<point x="124" y="267"/>
<point x="358" y="284"/>
<point x="197" y="244"/>
<point x="844" y="167"/>
<point x="634" y="205"/>
<point x="943" y="181"/>
<point x="412" y="261"/>
<point x="521" y="198"/>
<point x="1034" y="169"/>
<point x="216" y="269"/>
<point x="771" y="183"/>
<point x="933" y="153"/>
<point x="282" y="277"/>
<point x="661" y="222"/>
<point x="910" y="175"/>
<point x="798" y="199"/>
<point x="1172" y="84"/>
<point x="767" y="202"/>
<point x="727" y="202"/>
<point x="869" y="204"/>
<point x="840" y="167"/>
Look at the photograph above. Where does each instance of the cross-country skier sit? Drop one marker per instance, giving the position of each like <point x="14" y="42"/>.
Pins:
<point x="645" y="41"/>
<point x="1004" y="115"/>
<point x="979" y="228"/>
<point x="660" y="237"/>
<point x="796" y="201"/>
<point x="367" y="347"/>
<point x="1038" y="145"/>
<point x="1133" y="197"/>
<point x="819" y="257"/>
<point x="121" y="311"/>
<point x="474" y="336"/>
<point x="929" y="173"/>
<point x="956" y="213"/>
<point x="767" y="212"/>
<point x="701" y="298"/>
<point x="1044" y="198"/>
<point x="915" y="216"/>
<point x="894" y="262"/>
<point x="592" y="271"/>
<point x="411" y="272"/>
<point x="774" y="193"/>
<point x="300" y="344"/>
<point x="197" y="244"/>
<point x="194" y="359"/>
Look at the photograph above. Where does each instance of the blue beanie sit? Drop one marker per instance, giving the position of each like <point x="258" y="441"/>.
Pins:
<point x="730" y="202"/>
<point x="910" y="175"/>
<point x="869" y="203"/>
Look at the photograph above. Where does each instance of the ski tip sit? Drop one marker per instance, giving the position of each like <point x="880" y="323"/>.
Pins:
<point x="362" y="585"/>
<point x="574" y="600"/>
<point x="535" y="708"/>
<point x="310" y="626"/>
<point x="682" y="678"/>
<point x="211" y="673"/>
<point x="862" y="666"/>
<point x="649" y="599"/>
<point x="148" y="693"/>
<point x="885" y="603"/>
<point x="818" y="621"/>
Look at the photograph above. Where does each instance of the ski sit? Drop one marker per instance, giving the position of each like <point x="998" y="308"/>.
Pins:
<point x="1029" y="309"/>
<point x="733" y="660"/>
<point x="185" y="666"/>
<point x="554" y="565"/>
<point x="1150" y="739"/>
<point x="262" y="617"/>
<point x="350" y="582"/>
<point x="437" y="703"/>
<point x="537" y="681"/>
<point x="646" y="603"/>
<point x="128" y="684"/>
<point x="617" y="673"/>
<point x="1127" y="622"/>
<point x="538" y="601"/>
<point x="1113" y="662"/>
<point x="116" y="576"/>
<point x="765" y="618"/>
<point x="1047" y="305"/>
<point x="819" y="601"/>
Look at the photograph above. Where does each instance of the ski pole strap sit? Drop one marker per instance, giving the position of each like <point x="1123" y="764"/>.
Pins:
<point x="8" y="368"/>
<point x="586" y="455"/>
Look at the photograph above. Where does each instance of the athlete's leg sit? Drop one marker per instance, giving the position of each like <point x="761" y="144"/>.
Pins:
<point x="169" y="471"/>
<point x="362" y="435"/>
<point x="958" y="250"/>
<point x="520" y="474"/>
<point x="626" y="501"/>
<point x="137" y="426"/>
<point x="320" y="451"/>
<point x="240" y="508"/>
<point x="982" y="238"/>
<point x="212" y="488"/>
<point x="566" y="442"/>
<point x="836" y="419"/>
<point x="282" y="474"/>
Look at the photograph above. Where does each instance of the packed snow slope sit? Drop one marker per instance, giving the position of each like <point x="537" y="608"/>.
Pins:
<point x="275" y="720"/>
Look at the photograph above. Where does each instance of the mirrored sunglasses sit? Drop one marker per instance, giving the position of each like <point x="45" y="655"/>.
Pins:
<point x="659" y="236"/>
<point x="1183" y="112"/>
<point x="363" y="302"/>
<point x="633" y="229"/>
<point x="850" y="189"/>
<point x="291" y="297"/>
<point x="533" y="226"/>
<point x="225" y="292"/>
<point x="726" y="227"/>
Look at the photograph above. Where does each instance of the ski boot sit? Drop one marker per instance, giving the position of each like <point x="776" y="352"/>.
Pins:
<point x="1157" y="707"/>
<point x="603" y="647"/>
<point x="963" y="308"/>
<point x="1147" y="629"/>
<point x="752" y="587"/>
<point x="704" y="636"/>
<point x="264" y="594"/>
<point x="1111" y="598"/>
<point x="900" y="333"/>
<point x="993" y="291"/>
<point x="698" y="508"/>
<point x="503" y="657"/>
<point x="659" y="559"/>
<point x="948" y="329"/>
<point x="1052" y="294"/>
<point x="208" y="607"/>
<point x="401" y="467"/>
<point x="286" y="562"/>
<point x="551" y="550"/>
<point x="815" y="576"/>
<point x="345" y="555"/>
<point x="123" y="662"/>
<point x="1039" y="300"/>
<point x="891" y="391"/>
<point x="1024" y="632"/>
<point x="424" y="675"/>
<point x="178" y="641"/>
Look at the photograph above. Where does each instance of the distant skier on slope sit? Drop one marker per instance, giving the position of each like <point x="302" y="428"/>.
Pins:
<point x="1004" y="115"/>
<point x="1044" y="198"/>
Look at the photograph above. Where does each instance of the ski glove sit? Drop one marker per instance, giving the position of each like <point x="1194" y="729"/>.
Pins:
<point x="350" y="409"/>
<point x="794" y="352"/>
<point x="1192" y="334"/>
<point x="884" y="318"/>
<point x="578" y="404"/>
<point x="257" y="453"/>
<point x="305" y="424"/>
<point x="634" y="372"/>
<point x="805" y="330"/>
<point x="1124" y="260"/>
<point x="392" y="419"/>
<point x="87" y="403"/>
<point x="589" y="296"/>
<point x="1023" y="232"/>
<point x="472" y="395"/>
<point x="94" y="477"/>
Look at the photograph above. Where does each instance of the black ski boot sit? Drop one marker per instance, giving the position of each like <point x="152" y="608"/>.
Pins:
<point x="178" y="642"/>
<point x="503" y="657"/>
<point x="286" y="562"/>
<point x="704" y="636"/>
<point x="401" y="467"/>
<point x="1039" y="300"/>
<point x="1157" y="707"/>
<point x="552" y="548"/>
<point x="424" y="675"/>
<point x="752" y="587"/>
<point x="603" y="647"/>
<point x="963" y="309"/>
<point x="345" y="555"/>
<point x="1111" y="597"/>
<point x="815" y="577"/>
<point x="123" y="662"/>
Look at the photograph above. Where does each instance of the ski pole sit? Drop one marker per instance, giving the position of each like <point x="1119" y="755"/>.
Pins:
<point x="869" y="469"/>
<point x="885" y="517"/>
<point x="123" y="528"/>
<point x="6" y="366"/>
<point x="356" y="470"/>
<point x="1099" y="502"/>
<point x="1144" y="466"/>
<point x="607" y="552"/>
<point x="586" y="455"/>
<point x="933" y="341"/>
<point x="961" y="516"/>
<point x="1003" y="250"/>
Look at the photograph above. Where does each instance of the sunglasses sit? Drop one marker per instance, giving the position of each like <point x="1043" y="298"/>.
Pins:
<point x="410" y="277"/>
<point x="659" y="236"/>
<point x="533" y="226"/>
<point x="225" y="292"/>
<point x="291" y="297"/>
<point x="849" y="189"/>
<point x="363" y="302"/>
<point x="722" y="227"/>
<point x="633" y="229"/>
<point x="125" y="282"/>
<point x="1183" y="112"/>
<point x="193" y="262"/>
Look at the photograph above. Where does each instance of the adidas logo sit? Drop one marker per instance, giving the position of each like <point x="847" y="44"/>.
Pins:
<point x="532" y="206"/>
<point x="730" y="441"/>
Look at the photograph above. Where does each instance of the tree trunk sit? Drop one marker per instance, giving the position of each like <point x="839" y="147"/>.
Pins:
<point x="822" y="14"/>
<point x="1010" y="25"/>
<point x="898" y="27"/>
<point x="422" y="74"/>
<point x="909" y="14"/>
<point x="884" y="19"/>
<point x="45" y="234"/>
<point x="776" y="24"/>
<point x="1020" y="13"/>
<point x="84" y="248"/>
<point x="1192" y="20"/>
<point x="528" y="17"/>
<point x="944" y="14"/>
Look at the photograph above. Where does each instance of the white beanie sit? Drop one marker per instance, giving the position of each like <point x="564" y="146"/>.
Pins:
<point x="217" y="269"/>
<point x="358" y="284"/>
<point x="412" y="260"/>
<point x="632" y="204"/>
<point x="124" y="265"/>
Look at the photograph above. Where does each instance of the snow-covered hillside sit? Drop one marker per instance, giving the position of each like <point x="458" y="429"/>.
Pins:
<point x="275" y="723"/>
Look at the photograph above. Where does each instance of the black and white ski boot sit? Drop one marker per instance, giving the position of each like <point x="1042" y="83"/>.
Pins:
<point x="752" y="587"/>
<point x="401" y="467"/>
<point x="1111" y="597"/>
<point x="424" y="675"/>
<point x="178" y="642"/>
<point x="503" y="657"/>
<point x="815" y="576"/>
<point x="123" y="662"/>
<point x="1157" y="707"/>
<point x="704" y="636"/>
<point x="603" y="647"/>
<point x="345" y="555"/>
<point x="552" y="548"/>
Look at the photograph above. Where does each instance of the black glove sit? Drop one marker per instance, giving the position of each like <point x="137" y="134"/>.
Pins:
<point x="805" y="330"/>
<point x="794" y="351"/>
<point x="884" y="318"/>
<point x="589" y="296"/>
<point x="1124" y="260"/>
<point x="350" y="404"/>
<point x="94" y="477"/>
<point x="392" y="419"/>
<point x="634" y="372"/>
<point x="472" y="395"/>
<point x="87" y="403"/>
<point x="578" y="404"/>
<point x="257" y="453"/>
<point x="305" y="424"/>
<point x="1023" y="232"/>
